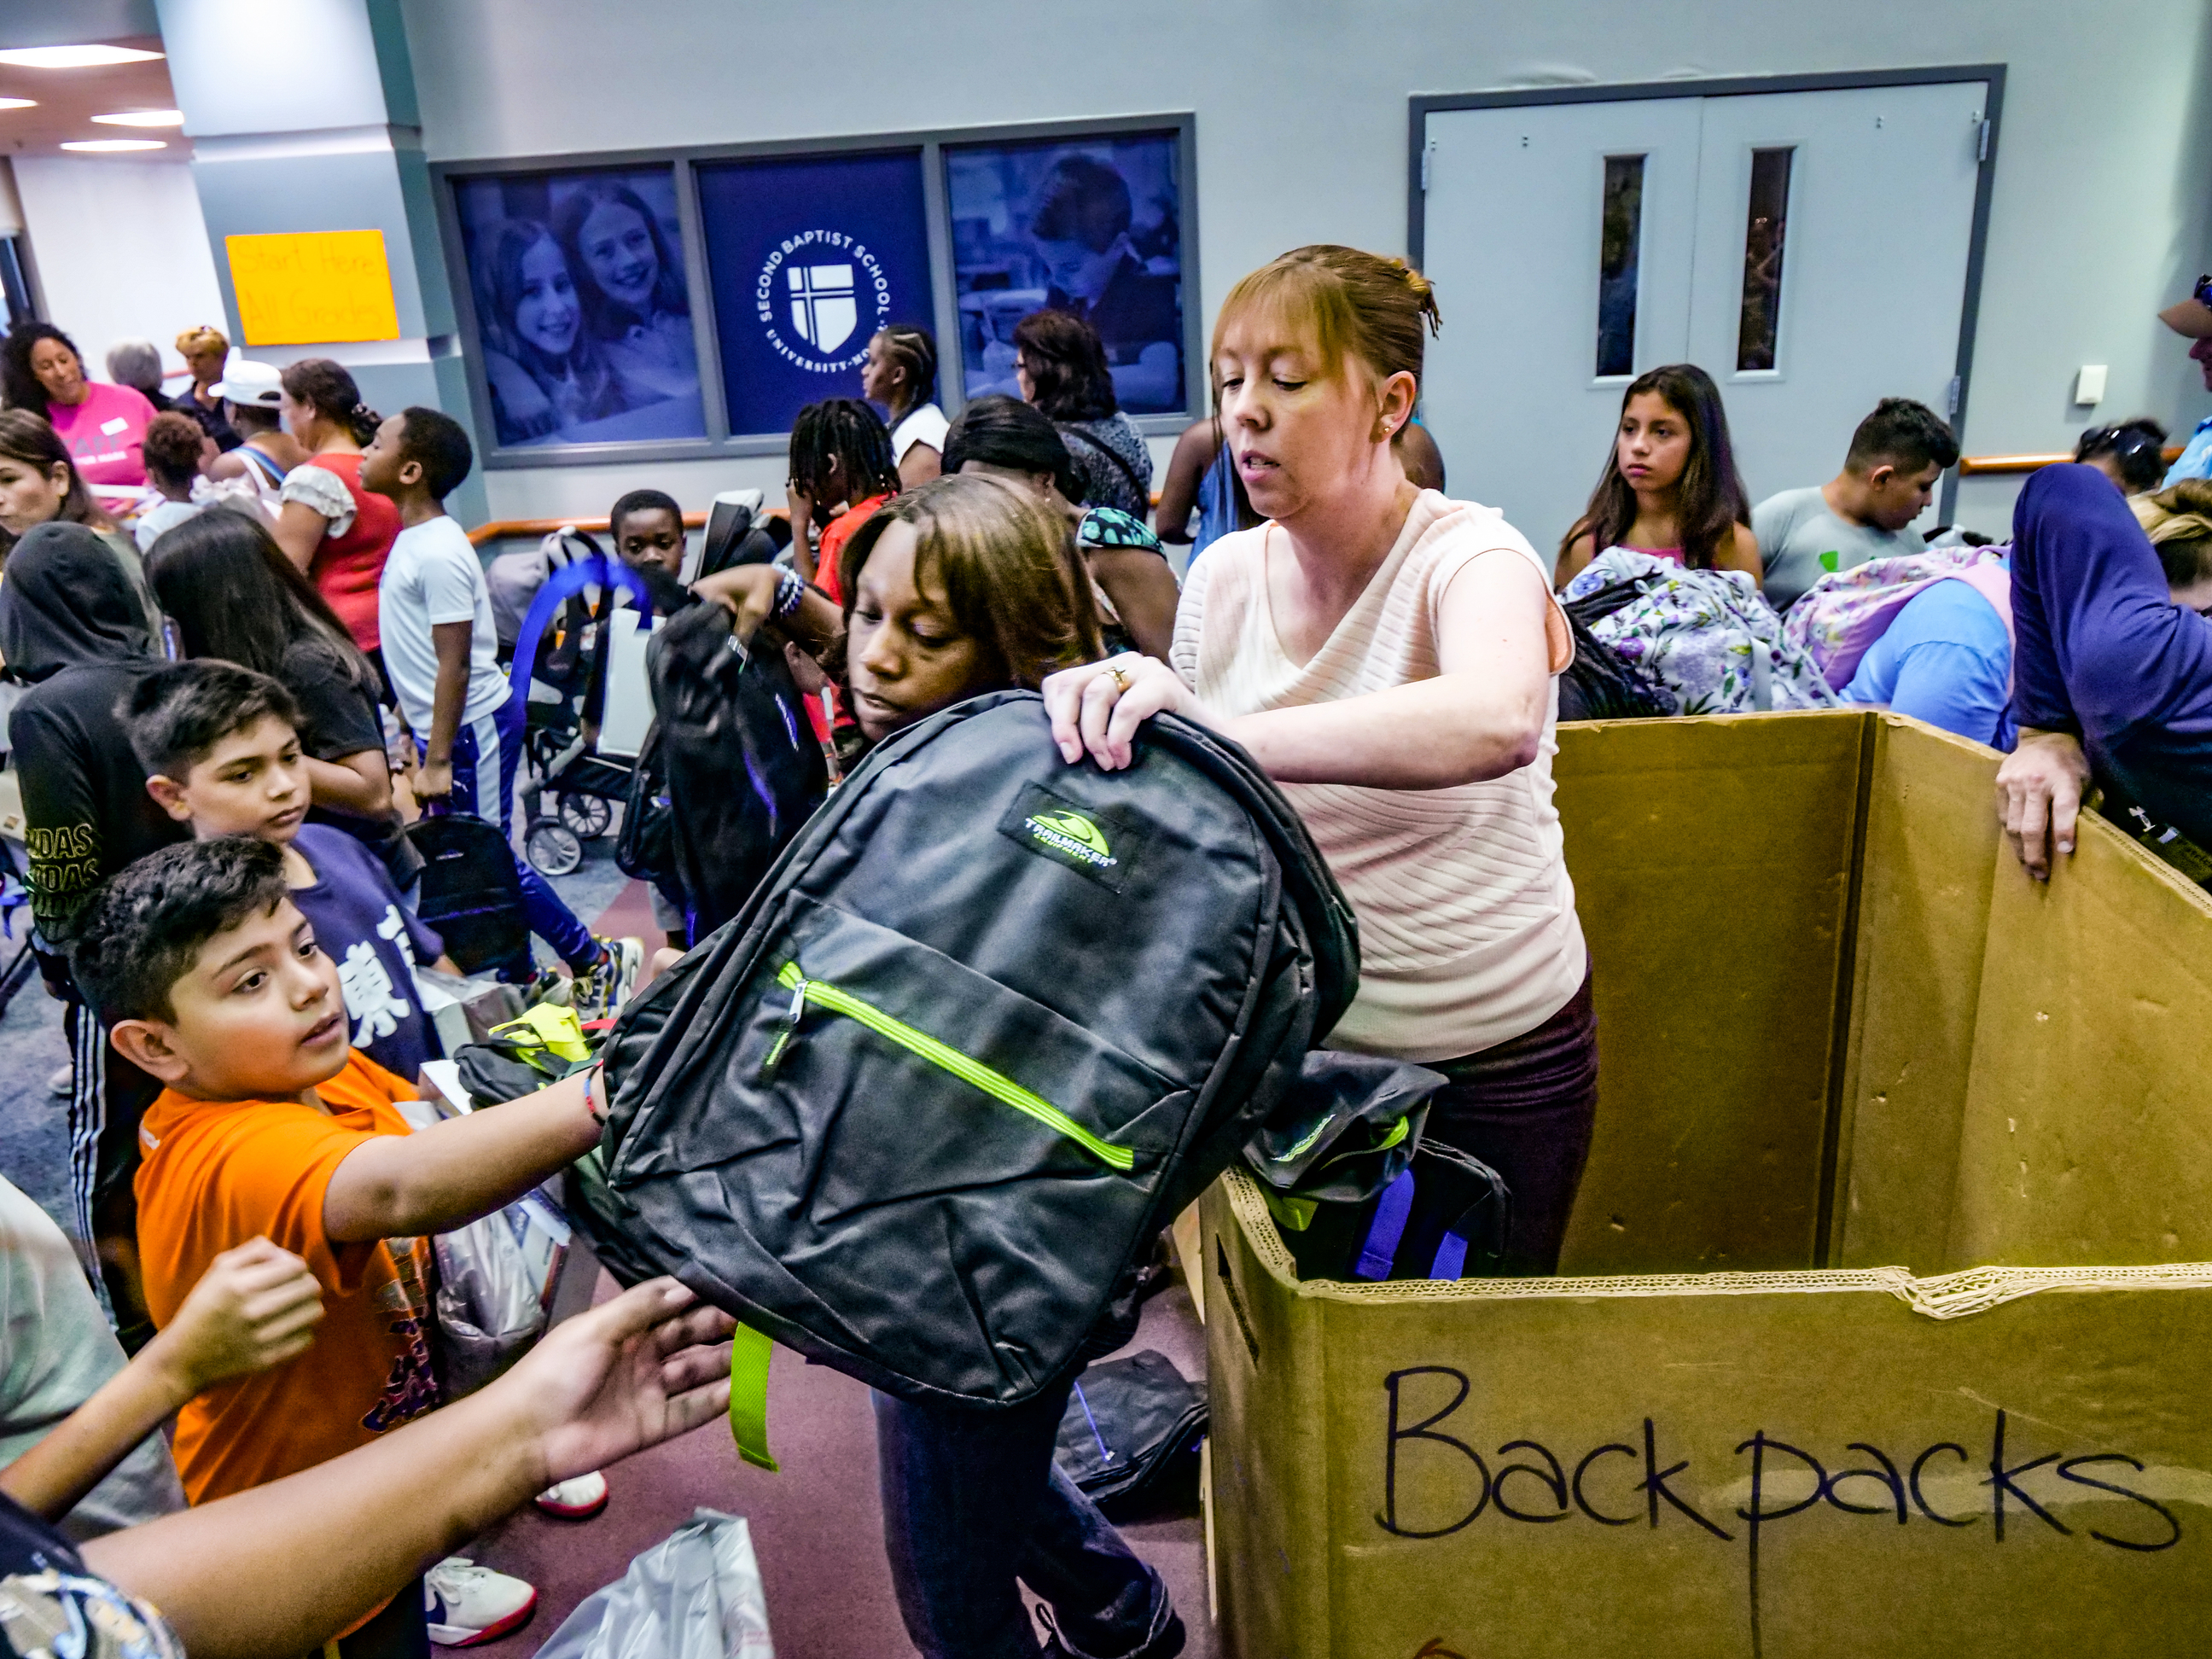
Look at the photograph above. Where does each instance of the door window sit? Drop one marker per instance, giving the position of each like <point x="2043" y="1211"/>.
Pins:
<point x="1766" y="224"/>
<point x="1616" y="271"/>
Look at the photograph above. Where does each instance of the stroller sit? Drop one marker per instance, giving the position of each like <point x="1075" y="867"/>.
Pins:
<point x="576" y="784"/>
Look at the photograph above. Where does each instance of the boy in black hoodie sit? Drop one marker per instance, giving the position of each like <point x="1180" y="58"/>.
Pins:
<point x="73" y="625"/>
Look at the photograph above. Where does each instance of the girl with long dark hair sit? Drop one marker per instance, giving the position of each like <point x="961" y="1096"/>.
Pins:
<point x="232" y="594"/>
<point x="1669" y="487"/>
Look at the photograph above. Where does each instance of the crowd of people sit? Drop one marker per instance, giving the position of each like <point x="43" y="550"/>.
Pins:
<point x="249" y="643"/>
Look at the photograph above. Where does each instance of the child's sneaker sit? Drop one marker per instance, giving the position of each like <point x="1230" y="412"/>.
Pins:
<point x="465" y="1604"/>
<point x="578" y="1499"/>
<point x="599" y="993"/>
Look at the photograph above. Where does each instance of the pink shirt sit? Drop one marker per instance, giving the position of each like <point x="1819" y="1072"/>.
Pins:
<point x="105" y="433"/>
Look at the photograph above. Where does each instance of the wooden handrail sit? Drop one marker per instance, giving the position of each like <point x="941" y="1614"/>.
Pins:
<point x="1975" y="467"/>
<point x="500" y="529"/>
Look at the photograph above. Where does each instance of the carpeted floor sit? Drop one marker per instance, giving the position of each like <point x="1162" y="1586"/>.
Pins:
<point x="817" y="1527"/>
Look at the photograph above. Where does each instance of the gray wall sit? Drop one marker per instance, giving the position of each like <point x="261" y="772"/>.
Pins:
<point x="2104" y="186"/>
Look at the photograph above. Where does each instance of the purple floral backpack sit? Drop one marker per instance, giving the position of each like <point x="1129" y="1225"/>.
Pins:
<point x="1843" y="614"/>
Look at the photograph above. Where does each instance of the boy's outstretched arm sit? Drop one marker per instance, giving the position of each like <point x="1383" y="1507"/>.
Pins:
<point x="454" y="641"/>
<point x="255" y="1307"/>
<point x="444" y="1176"/>
<point x="320" y="1548"/>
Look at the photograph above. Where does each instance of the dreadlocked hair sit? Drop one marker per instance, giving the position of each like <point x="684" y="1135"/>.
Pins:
<point x="849" y="432"/>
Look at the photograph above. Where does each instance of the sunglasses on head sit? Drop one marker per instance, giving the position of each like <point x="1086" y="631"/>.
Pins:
<point x="2203" y="292"/>
<point x="2122" y="440"/>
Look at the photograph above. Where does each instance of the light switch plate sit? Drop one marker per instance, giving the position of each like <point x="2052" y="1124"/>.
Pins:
<point x="2089" y="384"/>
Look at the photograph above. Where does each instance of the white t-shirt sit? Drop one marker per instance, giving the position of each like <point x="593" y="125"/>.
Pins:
<point x="433" y="576"/>
<point x="925" y="425"/>
<point x="1467" y="931"/>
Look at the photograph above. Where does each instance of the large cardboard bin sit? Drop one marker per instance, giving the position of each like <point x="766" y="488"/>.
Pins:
<point x="1887" y="1326"/>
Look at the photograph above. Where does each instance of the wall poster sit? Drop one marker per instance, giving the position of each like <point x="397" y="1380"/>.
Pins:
<point x="1092" y="226"/>
<point x="583" y="312"/>
<point x="808" y="257"/>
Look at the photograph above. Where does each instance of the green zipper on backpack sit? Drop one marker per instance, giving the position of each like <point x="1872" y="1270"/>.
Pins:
<point x="969" y="1070"/>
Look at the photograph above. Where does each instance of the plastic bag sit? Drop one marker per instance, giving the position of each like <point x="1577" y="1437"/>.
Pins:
<point x="495" y="1281"/>
<point x="695" y="1594"/>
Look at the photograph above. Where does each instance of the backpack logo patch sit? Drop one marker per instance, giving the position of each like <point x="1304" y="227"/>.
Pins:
<point x="1091" y="843"/>
<point x="1071" y="833"/>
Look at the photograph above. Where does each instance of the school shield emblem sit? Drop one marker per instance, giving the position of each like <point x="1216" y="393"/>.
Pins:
<point x="823" y="310"/>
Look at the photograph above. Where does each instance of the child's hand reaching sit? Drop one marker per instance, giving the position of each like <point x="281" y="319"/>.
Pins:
<point x="256" y="1306"/>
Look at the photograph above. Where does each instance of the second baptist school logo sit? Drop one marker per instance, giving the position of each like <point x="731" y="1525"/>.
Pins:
<point x="823" y="282"/>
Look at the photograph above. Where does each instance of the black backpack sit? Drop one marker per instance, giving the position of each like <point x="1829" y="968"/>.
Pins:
<point x="990" y="1023"/>
<point x="472" y="894"/>
<point x="647" y="846"/>
<point x="740" y="768"/>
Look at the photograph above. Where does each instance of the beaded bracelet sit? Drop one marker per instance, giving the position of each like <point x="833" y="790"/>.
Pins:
<point x="790" y="590"/>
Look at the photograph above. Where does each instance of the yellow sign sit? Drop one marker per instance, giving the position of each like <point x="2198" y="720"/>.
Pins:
<point x="308" y="288"/>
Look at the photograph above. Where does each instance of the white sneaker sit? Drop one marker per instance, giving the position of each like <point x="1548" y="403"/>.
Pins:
<point x="578" y="1499"/>
<point x="64" y="1080"/>
<point x="465" y="1604"/>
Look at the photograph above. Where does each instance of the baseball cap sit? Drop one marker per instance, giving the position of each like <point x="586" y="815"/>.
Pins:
<point x="2193" y="316"/>
<point x="246" y="382"/>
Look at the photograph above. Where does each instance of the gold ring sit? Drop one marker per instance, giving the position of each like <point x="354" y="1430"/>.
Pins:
<point x="1121" y="680"/>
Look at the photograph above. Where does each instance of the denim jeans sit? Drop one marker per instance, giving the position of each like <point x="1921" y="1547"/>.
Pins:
<point x="972" y="1501"/>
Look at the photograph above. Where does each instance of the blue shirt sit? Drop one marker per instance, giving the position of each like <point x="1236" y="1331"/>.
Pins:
<point x="376" y="941"/>
<point x="1944" y="659"/>
<point x="2194" y="460"/>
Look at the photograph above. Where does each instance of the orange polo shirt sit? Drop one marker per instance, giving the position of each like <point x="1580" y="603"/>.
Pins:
<point x="219" y="1173"/>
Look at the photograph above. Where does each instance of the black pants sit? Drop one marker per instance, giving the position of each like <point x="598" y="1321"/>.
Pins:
<point x="399" y="1631"/>
<point x="108" y="1096"/>
<point x="1525" y="1107"/>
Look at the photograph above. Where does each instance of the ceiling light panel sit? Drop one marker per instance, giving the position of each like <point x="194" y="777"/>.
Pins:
<point x="142" y="117"/>
<point x="112" y="146"/>
<point x="61" y="57"/>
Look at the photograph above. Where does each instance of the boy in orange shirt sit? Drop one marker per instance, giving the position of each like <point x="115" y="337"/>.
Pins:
<point x="272" y="1124"/>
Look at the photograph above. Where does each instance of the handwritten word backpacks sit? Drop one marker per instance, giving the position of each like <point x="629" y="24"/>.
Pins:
<point x="1841" y="615"/>
<point x="1706" y="636"/>
<point x="990" y="1023"/>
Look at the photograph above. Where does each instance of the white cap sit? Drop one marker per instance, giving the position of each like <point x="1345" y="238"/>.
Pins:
<point x="244" y="382"/>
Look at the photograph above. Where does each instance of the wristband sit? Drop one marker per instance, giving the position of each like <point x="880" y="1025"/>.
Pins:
<point x="790" y="590"/>
<point x="596" y="1115"/>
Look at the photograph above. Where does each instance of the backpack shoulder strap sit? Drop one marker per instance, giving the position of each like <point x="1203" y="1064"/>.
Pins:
<point x="1094" y="441"/>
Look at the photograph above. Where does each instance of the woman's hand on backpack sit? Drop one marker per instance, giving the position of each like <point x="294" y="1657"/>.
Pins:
<point x="1096" y="708"/>
<point x="747" y="592"/>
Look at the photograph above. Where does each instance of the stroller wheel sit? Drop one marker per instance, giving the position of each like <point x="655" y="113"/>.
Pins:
<point x="554" y="849"/>
<point x="589" y="815"/>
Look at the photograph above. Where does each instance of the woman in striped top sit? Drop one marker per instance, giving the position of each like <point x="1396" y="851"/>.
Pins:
<point x="1388" y="654"/>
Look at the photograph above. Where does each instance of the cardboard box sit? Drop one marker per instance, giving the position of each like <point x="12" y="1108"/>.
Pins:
<point x="1892" y="1292"/>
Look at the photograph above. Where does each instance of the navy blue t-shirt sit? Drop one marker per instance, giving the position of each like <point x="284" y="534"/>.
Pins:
<point x="376" y="941"/>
